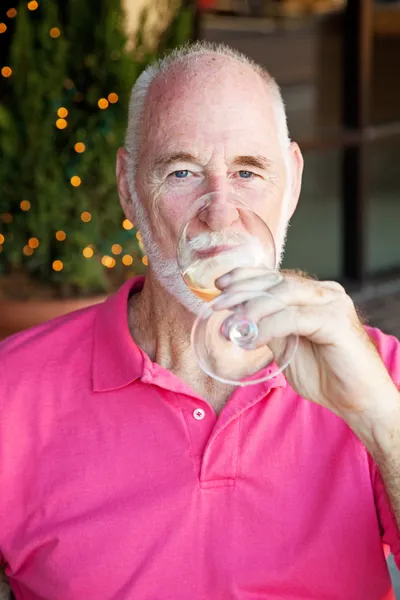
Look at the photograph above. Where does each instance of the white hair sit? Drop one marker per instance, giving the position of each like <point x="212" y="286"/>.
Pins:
<point x="188" y="55"/>
<point x="166" y="269"/>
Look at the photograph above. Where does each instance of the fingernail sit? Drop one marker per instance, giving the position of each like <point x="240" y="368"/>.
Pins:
<point x="223" y="281"/>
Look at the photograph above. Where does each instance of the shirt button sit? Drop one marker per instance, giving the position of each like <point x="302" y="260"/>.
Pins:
<point x="199" y="414"/>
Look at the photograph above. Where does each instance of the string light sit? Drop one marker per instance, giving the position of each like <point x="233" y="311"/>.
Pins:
<point x="11" y="13"/>
<point x="55" y="32"/>
<point x="3" y="27"/>
<point x="113" y="98"/>
<point x="6" y="71"/>
<point x="6" y="218"/>
<point x="145" y="260"/>
<point x="79" y="147"/>
<point x="76" y="181"/>
<point x="116" y="249"/>
<point x="102" y="103"/>
<point x="33" y="5"/>
<point x="108" y="261"/>
<point x="27" y="251"/>
<point x="87" y="252"/>
<point x="25" y="205"/>
<point x="2" y="239"/>
<point x="33" y="243"/>
<point x="61" y="123"/>
<point x="57" y="265"/>
<point x="139" y="236"/>
<point x="127" y="260"/>
<point x="61" y="235"/>
<point x="126" y="224"/>
<point x="62" y="112"/>
<point x="86" y="216"/>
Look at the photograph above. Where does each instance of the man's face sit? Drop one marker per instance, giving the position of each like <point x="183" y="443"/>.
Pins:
<point x="210" y="128"/>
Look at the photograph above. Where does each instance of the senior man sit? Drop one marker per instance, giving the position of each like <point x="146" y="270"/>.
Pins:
<point x="126" y="473"/>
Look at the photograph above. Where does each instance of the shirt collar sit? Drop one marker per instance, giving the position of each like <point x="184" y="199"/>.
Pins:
<point x="117" y="360"/>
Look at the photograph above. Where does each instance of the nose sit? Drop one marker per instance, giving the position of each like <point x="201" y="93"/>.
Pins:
<point x="220" y="212"/>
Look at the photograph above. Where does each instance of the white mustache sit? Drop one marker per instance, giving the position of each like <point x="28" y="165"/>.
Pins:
<point x="213" y="239"/>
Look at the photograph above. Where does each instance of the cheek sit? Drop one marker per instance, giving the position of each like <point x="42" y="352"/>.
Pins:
<point x="167" y="219"/>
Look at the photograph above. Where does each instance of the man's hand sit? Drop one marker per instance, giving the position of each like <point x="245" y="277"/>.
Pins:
<point x="336" y="364"/>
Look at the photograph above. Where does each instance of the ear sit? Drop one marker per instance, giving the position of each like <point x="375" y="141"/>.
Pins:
<point x="296" y="174"/>
<point x="123" y="186"/>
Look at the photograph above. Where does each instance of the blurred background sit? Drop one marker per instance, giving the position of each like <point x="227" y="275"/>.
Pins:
<point x="67" y="67"/>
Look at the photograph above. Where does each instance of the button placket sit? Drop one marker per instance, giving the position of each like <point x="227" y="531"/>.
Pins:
<point x="220" y="458"/>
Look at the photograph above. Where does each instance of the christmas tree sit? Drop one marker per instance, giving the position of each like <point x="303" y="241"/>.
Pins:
<point x="62" y="117"/>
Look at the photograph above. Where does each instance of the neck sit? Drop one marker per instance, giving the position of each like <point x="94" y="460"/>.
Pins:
<point x="161" y="326"/>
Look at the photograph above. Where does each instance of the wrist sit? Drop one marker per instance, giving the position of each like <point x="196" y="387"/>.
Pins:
<point x="379" y="427"/>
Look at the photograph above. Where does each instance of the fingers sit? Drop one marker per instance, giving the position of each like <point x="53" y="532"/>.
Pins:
<point x="303" y="321"/>
<point x="244" y="274"/>
<point x="289" y="291"/>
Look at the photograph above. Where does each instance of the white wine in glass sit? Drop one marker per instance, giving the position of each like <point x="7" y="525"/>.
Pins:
<point x="221" y="234"/>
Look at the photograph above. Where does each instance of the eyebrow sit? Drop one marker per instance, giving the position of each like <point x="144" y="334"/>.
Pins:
<point x="168" y="159"/>
<point x="258" y="161"/>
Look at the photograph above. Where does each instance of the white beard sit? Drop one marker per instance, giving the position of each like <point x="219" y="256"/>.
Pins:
<point x="166" y="270"/>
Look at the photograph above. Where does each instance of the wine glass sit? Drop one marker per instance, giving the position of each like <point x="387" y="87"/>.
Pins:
<point x="221" y="233"/>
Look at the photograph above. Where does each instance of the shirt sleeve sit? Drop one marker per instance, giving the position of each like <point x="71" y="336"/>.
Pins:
<point x="389" y="349"/>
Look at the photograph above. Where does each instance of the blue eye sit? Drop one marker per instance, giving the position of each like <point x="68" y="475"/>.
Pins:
<point x="246" y="174"/>
<point x="181" y="174"/>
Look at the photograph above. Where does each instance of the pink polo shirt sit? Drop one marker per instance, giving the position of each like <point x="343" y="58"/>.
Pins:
<point x="117" y="482"/>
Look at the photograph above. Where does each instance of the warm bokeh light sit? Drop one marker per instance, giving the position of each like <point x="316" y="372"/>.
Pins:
<point x="6" y="71"/>
<point x="2" y="238"/>
<point x="61" y="124"/>
<point x="86" y="216"/>
<point x="145" y="260"/>
<point x="127" y="260"/>
<point x="116" y="248"/>
<point x="1" y="248"/>
<point x="87" y="252"/>
<point x="139" y="236"/>
<point x="55" y="32"/>
<point x="33" y="5"/>
<point x="11" y="13"/>
<point x="61" y="235"/>
<point x="27" y="251"/>
<point x="108" y="261"/>
<point x="25" y="205"/>
<point x="79" y="147"/>
<point x="3" y="27"/>
<point x="33" y="243"/>
<point x="76" y="181"/>
<point x="113" y="98"/>
<point x="103" y="103"/>
<point x="62" y="112"/>
<point x="58" y="265"/>
<point x="126" y="224"/>
<point x="6" y="218"/>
